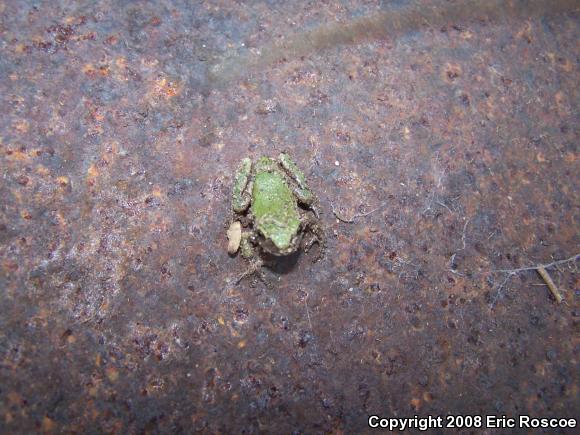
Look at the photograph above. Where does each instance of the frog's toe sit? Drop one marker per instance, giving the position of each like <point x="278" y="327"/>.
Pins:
<point x="255" y="269"/>
<point x="311" y="241"/>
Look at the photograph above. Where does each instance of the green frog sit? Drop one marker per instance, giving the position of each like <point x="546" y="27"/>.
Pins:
<point x="274" y="211"/>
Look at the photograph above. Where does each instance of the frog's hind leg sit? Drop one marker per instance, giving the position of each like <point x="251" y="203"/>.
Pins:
<point x="314" y="234"/>
<point x="248" y="251"/>
<point x="255" y="269"/>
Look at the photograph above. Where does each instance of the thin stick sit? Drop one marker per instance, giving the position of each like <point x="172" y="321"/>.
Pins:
<point x="355" y="216"/>
<point x="307" y="312"/>
<point x="463" y="235"/>
<point x="545" y="266"/>
<point x="546" y="276"/>
<point x="541" y="269"/>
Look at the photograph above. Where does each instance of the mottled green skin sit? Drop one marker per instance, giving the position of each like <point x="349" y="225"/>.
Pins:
<point x="246" y="247"/>
<point x="275" y="210"/>
<point x="240" y="198"/>
<point x="301" y="191"/>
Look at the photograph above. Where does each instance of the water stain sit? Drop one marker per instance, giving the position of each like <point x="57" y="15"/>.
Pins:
<point x="387" y="24"/>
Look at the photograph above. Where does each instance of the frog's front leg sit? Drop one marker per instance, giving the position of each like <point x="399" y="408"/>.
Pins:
<point x="311" y="225"/>
<point x="301" y="190"/>
<point x="246" y="246"/>
<point x="241" y="196"/>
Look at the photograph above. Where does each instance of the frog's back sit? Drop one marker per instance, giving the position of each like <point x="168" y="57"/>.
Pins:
<point x="274" y="208"/>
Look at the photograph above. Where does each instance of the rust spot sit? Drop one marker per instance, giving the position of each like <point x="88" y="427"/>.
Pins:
<point x="23" y="180"/>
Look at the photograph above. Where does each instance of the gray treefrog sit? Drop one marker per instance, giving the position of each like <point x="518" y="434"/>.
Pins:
<point x="273" y="211"/>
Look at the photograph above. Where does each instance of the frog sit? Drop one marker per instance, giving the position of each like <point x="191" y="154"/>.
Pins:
<point x="274" y="212"/>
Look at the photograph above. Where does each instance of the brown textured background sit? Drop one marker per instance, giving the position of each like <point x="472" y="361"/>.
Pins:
<point x="121" y="124"/>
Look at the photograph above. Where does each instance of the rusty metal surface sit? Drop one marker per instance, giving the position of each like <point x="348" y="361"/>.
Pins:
<point x="121" y="125"/>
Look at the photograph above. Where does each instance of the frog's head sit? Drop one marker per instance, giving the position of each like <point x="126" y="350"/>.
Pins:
<point x="265" y="164"/>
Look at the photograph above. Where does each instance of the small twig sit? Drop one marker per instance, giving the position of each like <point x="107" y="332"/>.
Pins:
<point x="545" y="266"/>
<point x="307" y="312"/>
<point x="463" y="235"/>
<point x="354" y="216"/>
<point x="454" y="272"/>
<point x="491" y="234"/>
<point x="541" y="269"/>
<point x="546" y="276"/>
<point x="452" y="258"/>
